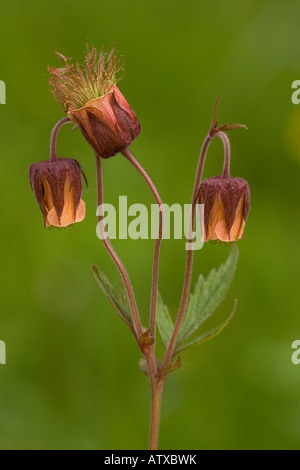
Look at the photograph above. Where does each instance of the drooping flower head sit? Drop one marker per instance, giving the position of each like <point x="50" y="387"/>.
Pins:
<point x="226" y="199"/>
<point x="90" y="96"/>
<point x="57" y="187"/>
<point x="226" y="207"/>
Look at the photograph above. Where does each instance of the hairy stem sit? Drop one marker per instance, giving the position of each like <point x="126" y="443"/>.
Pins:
<point x="157" y="391"/>
<point x="213" y="132"/>
<point x="226" y="143"/>
<point x="189" y="258"/>
<point x="155" y="273"/>
<point x="148" y="352"/>
<point x="156" y="384"/>
<point x="135" y="314"/>
<point x="53" y="154"/>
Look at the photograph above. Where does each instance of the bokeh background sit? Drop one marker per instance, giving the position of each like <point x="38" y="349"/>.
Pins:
<point x="72" y="379"/>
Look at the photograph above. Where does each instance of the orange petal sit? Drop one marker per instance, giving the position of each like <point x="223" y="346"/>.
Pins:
<point x="102" y="108"/>
<point x="80" y="213"/>
<point x="221" y="231"/>
<point x="238" y="226"/>
<point x="68" y="216"/>
<point x="48" y="201"/>
<point x="217" y="216"/>
<point x="52" y="218"/>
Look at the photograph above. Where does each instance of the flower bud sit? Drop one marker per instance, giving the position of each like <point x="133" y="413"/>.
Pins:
<point x="57" y="187"/>
<point x="226" y="207"/>
<point x="90" y="96"/>
<point x="107" y="123"/>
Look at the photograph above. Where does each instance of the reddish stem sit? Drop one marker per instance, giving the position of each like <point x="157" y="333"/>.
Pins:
<point x="156" y="386"/>
<point x="190" y="256"/>
<point x="226" y="143"/>
<point x="136" y="318"/>
<point x="213" y="132"/>
<point x="154" y="191"/>
<point x="53" y="154"/>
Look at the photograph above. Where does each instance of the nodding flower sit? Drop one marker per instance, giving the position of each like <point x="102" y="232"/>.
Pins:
<point x="226" y="207"/>
<point x="57" y="187"/>
<point x="90" y="96"/>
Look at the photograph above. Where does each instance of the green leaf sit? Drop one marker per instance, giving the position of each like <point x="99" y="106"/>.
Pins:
<point x="143" y="365"/>
<point x="164" y="321"/>
<point x="213" y="333"/>
<point x="108" y="290"/>
<point x="208" y="295"/>
<point x="123" y="299"/>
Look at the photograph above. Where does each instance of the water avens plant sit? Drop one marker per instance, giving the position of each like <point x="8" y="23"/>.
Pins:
<point x="90" y="96"/>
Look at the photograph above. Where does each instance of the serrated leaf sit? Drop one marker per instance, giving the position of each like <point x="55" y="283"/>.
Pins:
<point x="164" y="321"/>
<point x="208" y="295"/>
<point x="109" y="291"/>
<point x="211" y="334"/>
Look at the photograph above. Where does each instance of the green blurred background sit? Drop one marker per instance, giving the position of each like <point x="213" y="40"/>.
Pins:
<point x="72" y="379"/>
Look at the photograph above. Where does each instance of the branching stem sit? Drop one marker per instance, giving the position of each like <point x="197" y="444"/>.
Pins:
<point x="136" y="318"/>
<point x="157" y="197"/>
<point x="214" y="132"/>
<point x="148" y="352"/>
